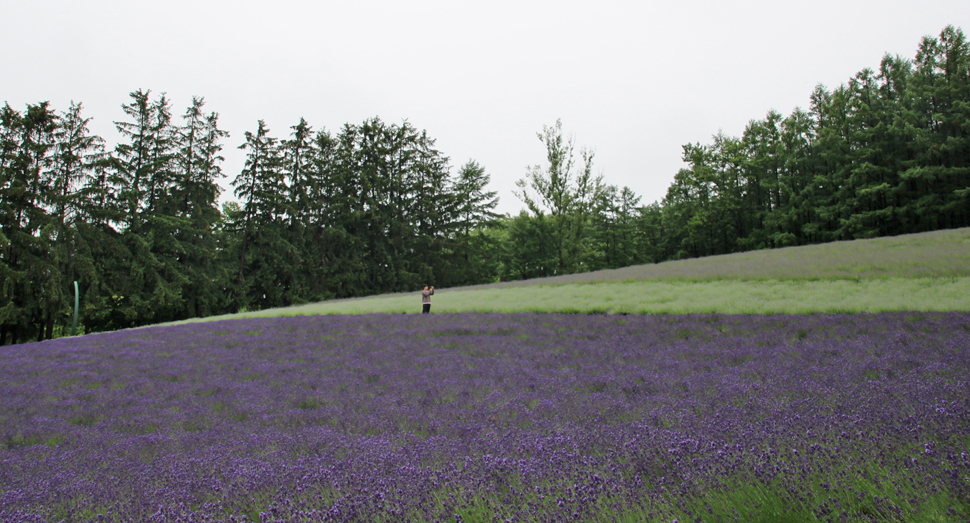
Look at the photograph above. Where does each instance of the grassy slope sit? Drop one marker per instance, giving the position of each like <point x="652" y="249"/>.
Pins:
<point x="928" y="271"/>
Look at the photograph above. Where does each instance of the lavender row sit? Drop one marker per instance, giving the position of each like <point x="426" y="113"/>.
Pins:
<point x="492" y="418"/>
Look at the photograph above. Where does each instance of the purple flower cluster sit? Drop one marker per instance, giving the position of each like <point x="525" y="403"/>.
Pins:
<point x="491" y="417"/>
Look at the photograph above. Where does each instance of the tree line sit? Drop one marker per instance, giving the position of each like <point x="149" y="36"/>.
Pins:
<point x="887" y="153"/>
<point x="375" y="207"/>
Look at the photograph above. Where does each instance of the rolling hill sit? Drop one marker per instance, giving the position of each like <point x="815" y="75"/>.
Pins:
<point x="916" y="272"/>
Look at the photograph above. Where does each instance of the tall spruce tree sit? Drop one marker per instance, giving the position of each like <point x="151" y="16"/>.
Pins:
<point x="77" y="154"/>
<point x="146" y="282"/>
<point x="267" y="261"/>
<point x="10" y="312"/>
<point x="470" y="211"/>
<point x="32" y="282"/>
<point x="194" y="210"/>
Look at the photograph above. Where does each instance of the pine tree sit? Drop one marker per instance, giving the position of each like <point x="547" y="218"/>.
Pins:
<point x="31" y="282"/>
<point x="470" y="213"/>
<point x="144" y="162"/>
<point x="144" y="279"/>
<point x="77" y="154"/>
<point x="616" y="227"/>
<point x="10" y="187"/>
<point x="195" y="210"/>
<point x="267" y="261"/>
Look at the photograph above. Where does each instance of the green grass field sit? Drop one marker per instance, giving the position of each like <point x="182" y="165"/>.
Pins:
<point x="918" y="272"/>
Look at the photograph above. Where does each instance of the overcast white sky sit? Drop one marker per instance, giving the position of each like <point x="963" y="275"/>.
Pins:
<point x="632" y="80"/>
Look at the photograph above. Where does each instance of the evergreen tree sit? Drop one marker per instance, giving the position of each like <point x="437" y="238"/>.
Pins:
<point x="299" y="158"/>
<point x="299" y="162"/>
<point x="31" y="282"/>
<point x="194" y="210"/>
<point x="78" y="152"/>
<point x="145" y="281"/>
<point x="267" y="262"/>
<point x="143" y="162"/>
<point x="473" y="212"/>
<point x="940" y="176"/>
<point x="617" y="215"/>
<point x="10" y="313"/>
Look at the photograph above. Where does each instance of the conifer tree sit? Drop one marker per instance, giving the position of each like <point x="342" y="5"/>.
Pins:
<point x="32" y="283"/>
<point x="78" y="153"/>
<point x="195" y="211"/>
<point x="267" y="261"/>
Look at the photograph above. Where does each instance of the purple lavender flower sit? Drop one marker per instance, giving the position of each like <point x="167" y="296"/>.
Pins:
<point x="481" y="417"/>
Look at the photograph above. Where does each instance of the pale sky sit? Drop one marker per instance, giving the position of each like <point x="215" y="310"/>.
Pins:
<point x="632" y="80"/>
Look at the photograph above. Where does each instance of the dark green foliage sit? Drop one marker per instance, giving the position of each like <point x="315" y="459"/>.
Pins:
<point x="30" y="289"/>
<point x="265" y="257"/>
<point x="194" y="211"/>
<point x="565" y="199"/>
<point x="474" y="254"/>
<point x="886" y="154"/>
<point x="616" y="228"/>
<point x="530" y="250"/>
<point x="136" y="228"/>
<point x="371" y="210"/>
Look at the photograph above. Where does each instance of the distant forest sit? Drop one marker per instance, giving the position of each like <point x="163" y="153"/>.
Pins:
<point x="375" y="208"/>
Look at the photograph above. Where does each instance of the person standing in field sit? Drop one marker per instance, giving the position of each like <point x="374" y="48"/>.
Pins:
<point x="426" y="299"/>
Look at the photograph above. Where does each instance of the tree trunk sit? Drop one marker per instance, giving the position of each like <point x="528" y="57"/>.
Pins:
<point x="242" y="257"/>
<point x="50" y="327"/>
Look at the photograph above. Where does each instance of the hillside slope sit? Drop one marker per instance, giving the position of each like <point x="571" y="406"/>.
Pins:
<point x="943" y="253"/>
<point x="916" y="272"/>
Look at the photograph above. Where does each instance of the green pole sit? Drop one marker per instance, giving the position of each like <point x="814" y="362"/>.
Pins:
<point x="77" y="301"/>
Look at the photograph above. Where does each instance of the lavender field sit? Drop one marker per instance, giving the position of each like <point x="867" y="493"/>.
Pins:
<point x="494" y="417"/>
